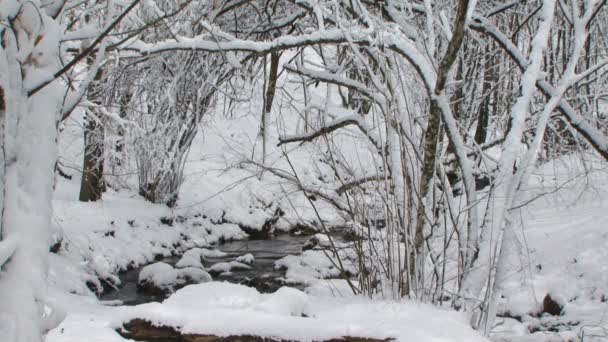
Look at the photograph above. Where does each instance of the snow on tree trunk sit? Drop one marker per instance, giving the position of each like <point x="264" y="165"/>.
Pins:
<point x="502" y="198"/>
<point x="28" y="55"/>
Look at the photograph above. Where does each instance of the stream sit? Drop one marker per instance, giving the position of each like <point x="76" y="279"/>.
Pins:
<point x="263" y="276"/>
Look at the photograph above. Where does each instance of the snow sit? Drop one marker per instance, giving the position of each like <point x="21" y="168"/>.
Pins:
<point x="564" y="232"/>
<point x="7" y="248"/>
<point x="246" y="259"/>
<point x="160" y="274"/>
<point x="222" y="267"/>
<point x="212" y="253"/>
<point x="213" y="308"/>
<point x="191" y="258"/>
<point x="193" y="275"/>
<point x="311" y="265"/>
<point x="164" y="277"/>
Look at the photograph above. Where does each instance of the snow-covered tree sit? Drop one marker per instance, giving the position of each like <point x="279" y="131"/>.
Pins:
<point x="35" y="94"/>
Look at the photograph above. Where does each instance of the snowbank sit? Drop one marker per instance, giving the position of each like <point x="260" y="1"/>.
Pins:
<point x="225" y="309"/>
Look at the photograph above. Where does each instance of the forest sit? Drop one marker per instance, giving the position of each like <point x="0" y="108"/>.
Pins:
<point x="303" y="170"/>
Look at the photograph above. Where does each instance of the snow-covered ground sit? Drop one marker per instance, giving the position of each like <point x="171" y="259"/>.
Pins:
<point x="123" y="231"/>
<point x="564" y="254"/>
<point x="225" y="309"/>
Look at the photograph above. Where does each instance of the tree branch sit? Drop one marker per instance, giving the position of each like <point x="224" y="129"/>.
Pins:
<point x="348" y="186"/>
<point x="591" y="134"/>
<point x="84" y="53"/>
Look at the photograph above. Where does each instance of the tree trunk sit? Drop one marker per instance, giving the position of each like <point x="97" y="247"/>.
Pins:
<point x="431" y="138"/>
<point x="268" y="98"/>
<point x="483" y="117"/>
<point x="92" y="184"/>
<point x="29" y="156"/>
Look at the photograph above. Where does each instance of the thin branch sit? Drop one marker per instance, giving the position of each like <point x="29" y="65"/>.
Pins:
<point x="360" y="181"/>
<point x="85" y="52"/>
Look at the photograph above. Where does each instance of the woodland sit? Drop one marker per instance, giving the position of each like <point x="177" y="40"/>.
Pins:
<point x="416" y="170"/>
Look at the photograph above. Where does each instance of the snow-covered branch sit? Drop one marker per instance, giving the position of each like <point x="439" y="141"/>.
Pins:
<point x="596" y="138"/>
<point x="360" y="181"/>
<point x="206" y="43"/>
<point x="341" y="122"/>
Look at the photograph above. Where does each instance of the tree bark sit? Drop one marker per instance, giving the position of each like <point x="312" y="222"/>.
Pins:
<point x="92" y="184"/>
<point x="432" y="135"/>
<point x="268" y="98"/>
<point x="483" y="116"/>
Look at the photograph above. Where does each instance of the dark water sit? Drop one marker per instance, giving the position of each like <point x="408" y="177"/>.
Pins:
<point x="262" y="275"/>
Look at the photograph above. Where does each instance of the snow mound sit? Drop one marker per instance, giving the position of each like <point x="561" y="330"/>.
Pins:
<point x="212" y="253"/>
<point x="193" y="275"/>
<point x="216" y="295"/>
<point x="290" y="314"/>
<point x="223" y="267"/>
<point x="246" y="259"/>
<point x="191" y="258"/>
<point x="309" y="266"/>
<point x="286" y="301"/>
<point x="162" y="277"/>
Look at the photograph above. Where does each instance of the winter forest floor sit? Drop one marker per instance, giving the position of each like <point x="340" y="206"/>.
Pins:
<point x="564" y="254"/>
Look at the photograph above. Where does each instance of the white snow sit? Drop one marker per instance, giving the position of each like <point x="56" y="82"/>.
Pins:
<point x="164" y="277"/>
<point x="160" y="274"/>
<point x="193" y="275"/>
<point x="311" y="265"/>
<point x="191" y="258"/>
<point x="246" y="259"/>
<point x="227" y="266"/>
<point x="565" y="234"/>
<point x="212" y="253"/>
<point x="213" y="308"/>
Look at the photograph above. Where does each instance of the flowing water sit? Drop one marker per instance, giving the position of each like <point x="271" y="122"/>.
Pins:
<point x="262" y="275"/>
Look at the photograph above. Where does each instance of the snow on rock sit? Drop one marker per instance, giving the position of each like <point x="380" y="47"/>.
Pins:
<point x="212" y="253"/>
<point x="246" y="259"/>
<point x="310" y="265"/>
<point x="158" y="276"/>
<point x="220" y="295"/>
<point x="193" y="275"/>
<point x="191" y="258"/>
<point x="228" y="231"/>
<point x="161" y="277"/>
<point x="289" y="314"/>
<point x="224" y="267"/>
